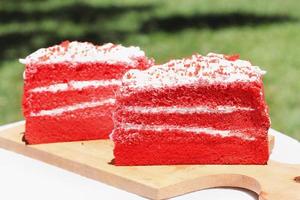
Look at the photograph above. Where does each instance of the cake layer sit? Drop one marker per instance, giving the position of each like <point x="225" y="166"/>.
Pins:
<point x="80" y="61"/>
<point x="226" y="119"/>
<point x="73" y="125"/>
<point x="233" y="94"/>
<point x="35" y="101"/>
<point x="39" y="130"/>
<point x="47" y="74"/>
<point x="165" y="147"/>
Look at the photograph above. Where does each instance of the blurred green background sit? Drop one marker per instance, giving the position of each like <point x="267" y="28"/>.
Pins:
<point x="265" y="32"/>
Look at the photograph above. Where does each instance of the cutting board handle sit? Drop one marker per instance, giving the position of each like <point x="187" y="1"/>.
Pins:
<point x="275" y="181"/>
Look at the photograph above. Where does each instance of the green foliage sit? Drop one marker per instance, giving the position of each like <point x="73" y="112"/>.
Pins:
<point x="265" y="32"/>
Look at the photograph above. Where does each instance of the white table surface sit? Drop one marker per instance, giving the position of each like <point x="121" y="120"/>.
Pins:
<point x="25" y="178"/>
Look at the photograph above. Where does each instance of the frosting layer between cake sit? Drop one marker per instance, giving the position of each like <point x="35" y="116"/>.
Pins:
<point x="69" y="108"/>
<point x="77" y="85"/>
<point x="194" y="130"/>
<point x="186" y="110"/>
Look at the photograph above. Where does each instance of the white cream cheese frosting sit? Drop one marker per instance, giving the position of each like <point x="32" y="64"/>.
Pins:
<point x="185" y="110"/>
<point x="76" y="85"/>
<point x="78" y="52"/>
<point x="195" y="130"/>
<point x="213" y="68"/>
<point x="74" y="107"/>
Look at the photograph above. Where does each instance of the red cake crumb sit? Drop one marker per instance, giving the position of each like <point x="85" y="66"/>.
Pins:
<point x="200" y="110"/>
<point x="69" y="90"/>
<point x="232" y="57"/>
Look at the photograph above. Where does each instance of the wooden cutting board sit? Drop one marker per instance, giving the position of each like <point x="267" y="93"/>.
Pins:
<point x="275" y="181"/>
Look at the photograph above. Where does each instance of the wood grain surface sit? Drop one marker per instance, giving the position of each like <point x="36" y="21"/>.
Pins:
<point x="275" y="181"/>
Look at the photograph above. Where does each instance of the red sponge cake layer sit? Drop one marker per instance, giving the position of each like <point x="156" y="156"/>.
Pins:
<point x="36" y="100"/>
<point x="69" y="90"/>
<point x="235" y="120"/>
<point x="168" y="146"/>
<point x="201" y="110"/>
<point x="84" y="121"/>
<point x="232" y="93"/>
<point x="50" y="73"/>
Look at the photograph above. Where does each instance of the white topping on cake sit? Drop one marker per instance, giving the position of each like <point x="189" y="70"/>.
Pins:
<point x="213" y="68"/>
<point x="195" y="130"/>
<point x="70" y="108"/>
<point x="78" y="52"/>
<point x="76" y="85"/>
<point x="185" y="110"/>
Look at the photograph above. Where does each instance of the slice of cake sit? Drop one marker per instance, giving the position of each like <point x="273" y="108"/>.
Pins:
<point x="201" y="110"/>
<point x="69" y="90"/>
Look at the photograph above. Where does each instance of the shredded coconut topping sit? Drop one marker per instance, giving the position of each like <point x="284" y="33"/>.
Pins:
<point x="85" y="52"/>
<point x="213" y="68"/>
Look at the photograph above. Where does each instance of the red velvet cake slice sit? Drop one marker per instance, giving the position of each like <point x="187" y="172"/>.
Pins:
<point x="201" y="110"/>
<point x="69" y="90"/>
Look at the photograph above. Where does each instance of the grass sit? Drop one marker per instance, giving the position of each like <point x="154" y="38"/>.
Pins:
<point x="265" y="32"/>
